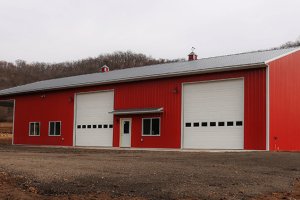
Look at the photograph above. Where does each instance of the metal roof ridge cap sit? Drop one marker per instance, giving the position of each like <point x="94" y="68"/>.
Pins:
<point x="283" y="55"/>
<point x="242" y="53"/>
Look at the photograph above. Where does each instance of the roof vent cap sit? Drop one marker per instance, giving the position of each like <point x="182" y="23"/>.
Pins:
<point x="104" y="68"/>
<point x="192" y="56"/>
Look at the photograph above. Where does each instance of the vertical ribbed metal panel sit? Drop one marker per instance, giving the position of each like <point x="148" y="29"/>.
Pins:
<point x="285" y="103"/>
<point x="255" y="110"/>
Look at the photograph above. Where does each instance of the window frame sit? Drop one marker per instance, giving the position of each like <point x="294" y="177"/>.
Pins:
<point x="150" y="135"/>
<point x="54" y="128"/>
<point x="35" y="135"/>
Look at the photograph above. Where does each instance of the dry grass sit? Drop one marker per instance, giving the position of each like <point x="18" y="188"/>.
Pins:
<point x="6" y="128"/>
<point x="5" y="138"/>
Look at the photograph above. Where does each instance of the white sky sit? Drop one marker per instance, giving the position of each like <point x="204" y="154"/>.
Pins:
<point x="64" y="30"/>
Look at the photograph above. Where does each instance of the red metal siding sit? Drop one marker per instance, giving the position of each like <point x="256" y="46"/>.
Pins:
<point x="284" y="103"/>
<point x="43" y="108"/>
<point x="142" y="94"/>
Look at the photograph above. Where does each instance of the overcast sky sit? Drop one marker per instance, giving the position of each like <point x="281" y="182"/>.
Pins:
<point x="65" y="30"/>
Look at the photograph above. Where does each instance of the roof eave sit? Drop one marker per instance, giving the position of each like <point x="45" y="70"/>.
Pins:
<point x="139" y="78"/>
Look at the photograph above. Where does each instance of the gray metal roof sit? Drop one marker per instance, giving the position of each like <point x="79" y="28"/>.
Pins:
<point x="205" y="65"/>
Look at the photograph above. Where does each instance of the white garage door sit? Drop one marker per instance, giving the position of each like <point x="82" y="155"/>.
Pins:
<point x="94" y="125"/>
<point x="213" y="115"/>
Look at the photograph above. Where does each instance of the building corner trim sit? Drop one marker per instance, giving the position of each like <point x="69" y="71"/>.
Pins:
<point x="268" y="107"/>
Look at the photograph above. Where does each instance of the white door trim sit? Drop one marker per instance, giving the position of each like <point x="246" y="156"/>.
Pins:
<point x="74" y="119"/>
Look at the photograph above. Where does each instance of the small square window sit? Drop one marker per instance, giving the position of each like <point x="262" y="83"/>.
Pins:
<point x="151" y="126"/>
<point x="239" y="123"/>
<point x="110" y="126"/>
<point x="34" y="128"/>
<point x="54" y="128"/>
<point x="221" y="123"/>
<point x="99" y="125"/>
<point x="83" y="126"/>
<point x="204" y="124"/>
<point x="94" y="126"/>
<point x="212" y="123"/>
<point x="230" y="123"/>
<point x="196" y="124"/>
<point x="188" y="124"/>
<point x="105" y="126"/>
<point x="89" y="126"/>
<point x="78" y="126"/>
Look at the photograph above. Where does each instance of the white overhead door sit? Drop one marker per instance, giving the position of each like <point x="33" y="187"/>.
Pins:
<point x="213" y="115"/>
<point x="94" y="125"/>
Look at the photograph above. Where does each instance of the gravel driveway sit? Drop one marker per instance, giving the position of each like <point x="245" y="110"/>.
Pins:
<point x="76" y="173"/>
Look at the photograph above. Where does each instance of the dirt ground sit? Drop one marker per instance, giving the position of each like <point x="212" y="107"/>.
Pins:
<point x="69" y="173"/>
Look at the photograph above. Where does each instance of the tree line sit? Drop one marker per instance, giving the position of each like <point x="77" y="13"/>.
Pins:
<point x="21" y="72"/>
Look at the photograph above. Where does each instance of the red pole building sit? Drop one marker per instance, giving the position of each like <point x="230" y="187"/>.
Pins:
<point x="242" y="101"/>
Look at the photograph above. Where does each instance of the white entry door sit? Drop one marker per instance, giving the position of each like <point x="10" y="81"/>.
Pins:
<point x="125" y="140"/>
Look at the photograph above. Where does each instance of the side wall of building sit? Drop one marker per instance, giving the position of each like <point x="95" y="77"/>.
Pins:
<point x="285" y="103"/>
<point x="166" y="93"/>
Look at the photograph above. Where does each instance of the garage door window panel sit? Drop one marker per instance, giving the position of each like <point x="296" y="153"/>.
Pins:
<point x="212" y="123"/>
<point x="204" y="124"/>
<point x="196" y="124"/>
<point x="55" y="128"/>
<point x="221" y="123"/>
<point x="151" y="127"/>
<point x="229" y="123"/>
<point x="239" y="123"/>
<point x="188" y="124"/>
